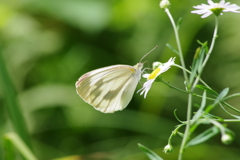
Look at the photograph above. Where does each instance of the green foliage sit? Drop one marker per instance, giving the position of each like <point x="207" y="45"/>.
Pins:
<point x="202" y="137"/>
<point x="151" y="155"/>
<point x="207" y="89"/>
<point x="172" y="48"/>
<point x="12" y="140"/>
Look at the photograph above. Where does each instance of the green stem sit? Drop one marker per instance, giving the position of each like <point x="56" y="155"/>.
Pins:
<point x="186" y="133"/>
<point x="232" y="96"/>
<point x="231" y="107"/>
<point x="219" y="120"/>
<point x="189" y="109"/>
<point x="178" y="43"/>
<point x="229" y="120"/>
<point x="183" y="91"/>
<point x="213" y="42"/>
<point x="204" y="83"/>
<point x="174" y="132"/>
<point x="22" y="148"/>
<point x="219" y="125"/>
<point x="173" y="87"/>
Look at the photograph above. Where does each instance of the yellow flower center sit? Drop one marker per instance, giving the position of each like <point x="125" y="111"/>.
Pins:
<point x="154" y="73"/>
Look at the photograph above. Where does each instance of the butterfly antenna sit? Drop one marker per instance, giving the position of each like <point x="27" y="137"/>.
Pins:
<point x="148" y="53"/>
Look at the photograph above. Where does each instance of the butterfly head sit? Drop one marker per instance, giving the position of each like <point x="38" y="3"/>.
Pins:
<point x="138" y="66"/>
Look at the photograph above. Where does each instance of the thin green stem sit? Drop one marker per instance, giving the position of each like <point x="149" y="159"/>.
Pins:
<point x="219" y="125"/>
<point x="204" y="83"/>
<point x="19" y="144"/>
<point x="173" y="87"/>
<point x="213" y="42"/>
<point x="219" y="120"/>
<point x="174" y="132"/>
<point x="186" y="133"/>
<point x="231" y="107"/>
<point x="178" y="43"/>
<point x="232" y="96"/>
<point x="229" y="120"/>
<point x="183" y="91"/>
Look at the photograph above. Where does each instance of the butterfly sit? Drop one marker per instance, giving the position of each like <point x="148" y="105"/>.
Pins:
<point x="111" y="88"/>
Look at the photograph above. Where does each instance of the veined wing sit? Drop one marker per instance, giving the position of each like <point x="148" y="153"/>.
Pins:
<point x="109" y="89"/>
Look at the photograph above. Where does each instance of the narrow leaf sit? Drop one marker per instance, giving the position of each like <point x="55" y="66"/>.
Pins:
<point x="210" y="116"/>
<point x="193" y="74"/>
<point x="179" y="22"/>
<point x="9" y="153"/>
<point x="20" y="146"/>
<point x="199" y="113"/>
<point x="151" y="155"/>
<point x="206" y="135"/>
<point x="222" y="94"/>
<point x="209" y="90"/>
<point x="202" y="54"/>
<point x="171" y="47"/>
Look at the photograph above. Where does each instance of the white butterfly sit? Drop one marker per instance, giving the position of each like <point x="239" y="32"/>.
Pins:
<point x="111" y="88"/>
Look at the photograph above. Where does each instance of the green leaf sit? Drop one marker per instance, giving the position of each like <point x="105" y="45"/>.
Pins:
<point x="199" y="113"/>
<point x="192" y="74"/>
<point x="209" y="90"/>
<point x="221" y="96"/>
<point x="151" y="155"/>
<point x="21" y="147"/>
<point x="198" y="61"/>
<point x="210" y="116"/>
<point x="9" y="153"/>
<point x="206" y="135"/>
<point x="171" y="47"/>
<point x="179" y="22"/>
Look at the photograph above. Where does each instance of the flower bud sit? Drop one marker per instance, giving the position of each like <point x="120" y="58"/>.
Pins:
<point x="168" y="148"/>
<point x="227" y="138"/>
<point x="156" y="65"/>
<point x="164" y="4"/>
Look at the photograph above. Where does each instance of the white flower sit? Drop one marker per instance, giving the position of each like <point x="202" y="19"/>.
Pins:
<point x="163" y="67"/>
<point x="216" y="8"/>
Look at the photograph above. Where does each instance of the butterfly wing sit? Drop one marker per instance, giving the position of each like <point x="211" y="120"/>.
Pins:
<point x="109" y="89"/>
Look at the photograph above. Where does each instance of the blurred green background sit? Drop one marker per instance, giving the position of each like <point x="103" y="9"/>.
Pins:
<point x="48" y="44"/>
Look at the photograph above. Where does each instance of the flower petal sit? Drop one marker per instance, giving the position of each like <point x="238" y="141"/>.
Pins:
<point x="216" y="8"/>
